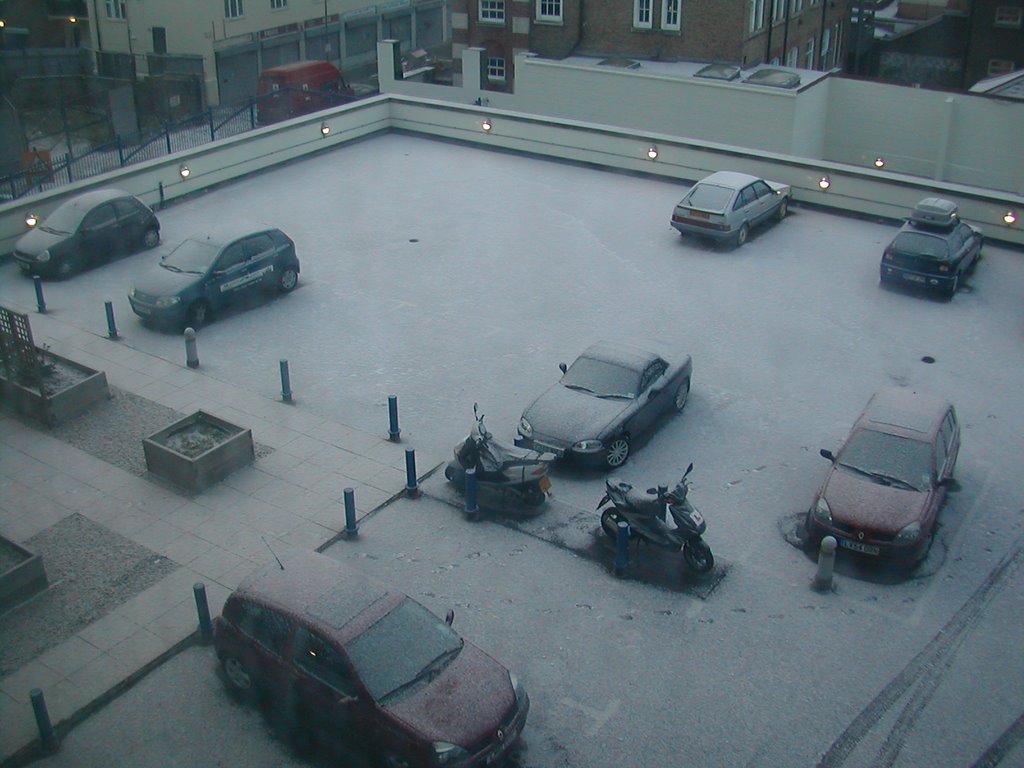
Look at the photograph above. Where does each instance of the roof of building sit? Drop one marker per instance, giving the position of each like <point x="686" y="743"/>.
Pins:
<point x="1010" y="85"/>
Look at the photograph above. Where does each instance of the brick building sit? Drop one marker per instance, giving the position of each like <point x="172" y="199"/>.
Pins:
<point x="797" y="33"/>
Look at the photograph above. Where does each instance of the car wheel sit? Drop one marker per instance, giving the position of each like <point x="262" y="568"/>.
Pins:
<point x="953" y="285"/>
<point x="197" y="314"/>
<point x="151" y="238"/>
<point x="783" y="209"/>
<point x="741" y="234"/>
<point x="617" y="452"/>
<point x="610" y="523"/>
<point x="682" y="395"/>
<point x="697" y="555"/>
<point x="288" y="280"/>
<point x="237" y="675"/>
<point x="67" y="267"/>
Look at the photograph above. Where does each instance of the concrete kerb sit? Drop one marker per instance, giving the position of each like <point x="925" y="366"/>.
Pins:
<point x="34" y="751"/>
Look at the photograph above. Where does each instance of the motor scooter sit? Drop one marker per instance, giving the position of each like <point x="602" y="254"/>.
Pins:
<point x="514" y="474"/>
<point x="645" y="513"/>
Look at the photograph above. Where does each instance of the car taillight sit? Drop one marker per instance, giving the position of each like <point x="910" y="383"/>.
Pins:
<point x="943" y="267"/>
<point x="889" y="254"/>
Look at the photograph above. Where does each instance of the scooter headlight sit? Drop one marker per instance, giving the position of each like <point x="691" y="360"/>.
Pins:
<point x="525" y="428"/>
<point x="822" y="512"/>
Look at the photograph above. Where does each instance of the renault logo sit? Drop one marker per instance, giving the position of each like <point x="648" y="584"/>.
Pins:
<point x="500" y="734"/>
<point x="860" y="535"/>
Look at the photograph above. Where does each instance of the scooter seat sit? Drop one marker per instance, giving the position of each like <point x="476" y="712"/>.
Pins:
<point x="639" y="500"/>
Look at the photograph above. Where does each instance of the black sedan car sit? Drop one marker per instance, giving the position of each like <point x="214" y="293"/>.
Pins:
<point x="609" y="396"/>
<point x="86" y="230"/>
<point x="934" y="250"/>
<point x="203" y="275"/>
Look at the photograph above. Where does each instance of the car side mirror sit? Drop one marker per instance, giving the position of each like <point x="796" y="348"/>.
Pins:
<point x="449" y="617"/>
<point x="827" y="454"/>
<point x="563" y="367"/>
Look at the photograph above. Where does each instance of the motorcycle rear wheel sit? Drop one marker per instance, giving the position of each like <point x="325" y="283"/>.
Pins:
<point x="698" y="556"/>
<point x="533" y="496"/>
<point x="610" y="523"/>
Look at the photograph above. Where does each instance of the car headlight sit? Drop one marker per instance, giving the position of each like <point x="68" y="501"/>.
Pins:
<point x="516" y="686"/>
<point x="168" y="301"/>
<point x="909" y="533"/>
<point x="446" y="753"/>
<point x="822" y="512"/>
<point x="588" y="445"/>
<point x="525" y="428"/>
<point x="44" y="256"/>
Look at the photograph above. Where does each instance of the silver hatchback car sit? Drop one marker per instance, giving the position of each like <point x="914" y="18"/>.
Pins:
<point x="726" y="204"/>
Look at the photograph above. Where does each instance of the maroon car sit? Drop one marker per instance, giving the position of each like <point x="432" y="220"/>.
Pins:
<point x="341" y="658"/>
<point x="889" y="479"/>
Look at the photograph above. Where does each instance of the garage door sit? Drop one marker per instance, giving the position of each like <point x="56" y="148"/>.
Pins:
<point x="280" y="51"/>
<point x="237" y="74"/>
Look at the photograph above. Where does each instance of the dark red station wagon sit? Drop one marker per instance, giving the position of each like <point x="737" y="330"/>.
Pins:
<point x="342" y="657"/>
<point x="889" y="479"/>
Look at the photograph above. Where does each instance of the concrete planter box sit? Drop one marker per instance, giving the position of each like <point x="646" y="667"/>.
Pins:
<point x="68" y="389"/>
<point x="21" y="574"/>
<point x="198" y="451"/>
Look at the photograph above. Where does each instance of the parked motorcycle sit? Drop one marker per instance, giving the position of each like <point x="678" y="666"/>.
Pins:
<point x="515" y="474"/>
<point x="645" y="513"/>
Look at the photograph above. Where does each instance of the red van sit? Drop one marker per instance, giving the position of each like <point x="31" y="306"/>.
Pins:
<point x="298" y="89"/>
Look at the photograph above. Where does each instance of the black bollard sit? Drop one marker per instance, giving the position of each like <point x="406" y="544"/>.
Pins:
<point x="203" y="608"/>
<point x="111" y="327"/>
<point x="286" y="382"/>
<point x="472" y="508"/>
<point x="394" y="434"/>
<point x="351" y="529"/>
<point x="40" y="302"/>
<point x="412" y="489"/>
<point x="47" y="736"/>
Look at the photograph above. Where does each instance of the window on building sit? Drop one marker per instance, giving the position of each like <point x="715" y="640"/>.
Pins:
<point x="232" y="9"/>
<point x="1009" y="16"/>
<point x="115" y="9"/>
<point x="809" y="54"/>
<point x="492" y="10"/>
<point x="798" y="5"/>
<point x="549" y="10"/>
<point x="778" y="9"/>
<point x="496" y="69"/>
<point x="826" y="45"/>
<point x="756" y="15"/>
<point x="642" y="13"/>
<point x="793" y="57"/>
<point x="278" y="5"/>
<point x="670" y="14"/>
<point x="999" y="67"/>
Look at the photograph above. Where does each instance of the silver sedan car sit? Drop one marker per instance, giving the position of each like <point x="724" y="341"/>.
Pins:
<point x="726" y="204"/>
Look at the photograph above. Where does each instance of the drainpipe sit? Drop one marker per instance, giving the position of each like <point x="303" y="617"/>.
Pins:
<point x="821" y="33"/>
<point x="965" y="80"/>
<point x="768" y="48"/>
<point x="785" y="31"/>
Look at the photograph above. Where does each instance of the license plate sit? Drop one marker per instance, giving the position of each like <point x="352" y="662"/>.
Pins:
<point x="545" y="483"/>
<point x="698" y="214"/>
<point x="856" y="546"/>
<point x="914" y="278"/>
<point x="537" y="446"/>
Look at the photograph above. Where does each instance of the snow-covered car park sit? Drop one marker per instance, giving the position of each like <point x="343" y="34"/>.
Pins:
<point x="448" y="275"/>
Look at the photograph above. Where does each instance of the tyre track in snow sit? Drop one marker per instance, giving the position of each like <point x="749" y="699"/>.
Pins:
<point x="926" y="670"/>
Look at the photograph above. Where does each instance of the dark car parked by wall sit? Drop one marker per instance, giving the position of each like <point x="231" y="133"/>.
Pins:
<point x="341" y="659"/>
<point x="934" y="250"/>
<point x="204" y="275"/>
<point x="85" y="231"/>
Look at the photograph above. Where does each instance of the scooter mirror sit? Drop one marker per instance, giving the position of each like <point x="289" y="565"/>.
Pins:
<point x="563" y="367"/>
<point x="449" y="617"/>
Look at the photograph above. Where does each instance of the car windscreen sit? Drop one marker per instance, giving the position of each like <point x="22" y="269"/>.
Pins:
<point x="65" y="219"/>
<point x="408" y="646"/>
<point x="602" y="378"/>
<point x="889" y="459"/>
<point x="191" y="256"/>
<point x="709" y="197"/>
<point x="921" y="244"/>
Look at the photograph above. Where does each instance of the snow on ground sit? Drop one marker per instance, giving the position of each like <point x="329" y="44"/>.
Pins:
<point x="446" y="274"/>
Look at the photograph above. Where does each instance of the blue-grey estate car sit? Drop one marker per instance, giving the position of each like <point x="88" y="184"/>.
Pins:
<point x="612" y="394"/>
<point x="206" y="274"/>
